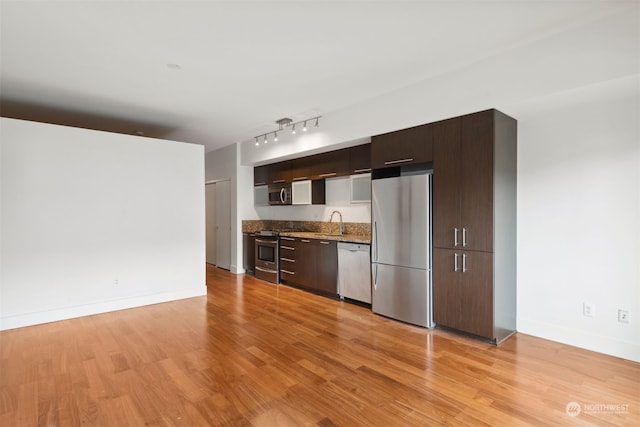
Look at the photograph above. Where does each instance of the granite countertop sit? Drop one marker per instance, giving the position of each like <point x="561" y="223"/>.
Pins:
<point x="348" y="238"/>
<point x="354" y="232"/>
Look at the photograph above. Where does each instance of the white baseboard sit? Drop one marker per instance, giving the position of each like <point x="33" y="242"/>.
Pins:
<point x="580" y="338"/>
<point x="29" y="319"/>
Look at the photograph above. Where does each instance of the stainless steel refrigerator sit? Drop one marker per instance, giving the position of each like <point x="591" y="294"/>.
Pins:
<point x="401" y="247"/>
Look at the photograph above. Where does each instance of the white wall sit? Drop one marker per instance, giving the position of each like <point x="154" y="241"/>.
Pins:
<point x="579" y="216"/>
<point x="93" y="222"/>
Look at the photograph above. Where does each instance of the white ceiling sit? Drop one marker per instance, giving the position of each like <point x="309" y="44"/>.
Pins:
<point x="216" y="73"/>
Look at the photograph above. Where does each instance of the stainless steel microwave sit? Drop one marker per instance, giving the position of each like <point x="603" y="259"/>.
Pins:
<point x="280" y="194"/>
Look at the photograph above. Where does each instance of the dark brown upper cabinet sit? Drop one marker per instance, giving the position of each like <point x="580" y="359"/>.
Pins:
<point x="301" y="169"/>
<point x="344" y="162"/>
<point x="360" y="159"/>
<point x="476" y="181"/>
<point x="403" y="147"/>
<point x="261" y="175"/>
<point x="446" y="183"/>
<point x="463" y="172"/>
<point x="330" y="164"/>
<point x="280" y="172"/>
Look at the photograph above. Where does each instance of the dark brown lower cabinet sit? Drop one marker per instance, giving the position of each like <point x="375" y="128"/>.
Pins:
<point x="310" y="263"/>
<point x="447" y="290"/>
<point x="306" y="263"/>
<point x="463" y="297"/>
<point x="288" y="263"/>
<point x="327" y="267"/>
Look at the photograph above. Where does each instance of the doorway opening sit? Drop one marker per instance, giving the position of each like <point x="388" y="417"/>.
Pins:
<point x="218" y="223"/>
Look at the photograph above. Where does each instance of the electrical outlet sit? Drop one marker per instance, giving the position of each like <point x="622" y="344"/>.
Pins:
<point x="588" y="309"/>
<point x="623" y="316"/>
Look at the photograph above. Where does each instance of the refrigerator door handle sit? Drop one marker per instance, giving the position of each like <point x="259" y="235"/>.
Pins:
<point x="455" y="237"/>
<point x="375" y="241"/>
<point x="455" y="262"/>
<point x="375" y="277"/>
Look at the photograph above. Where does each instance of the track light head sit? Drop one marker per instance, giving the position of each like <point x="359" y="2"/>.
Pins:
<point x="317" y="118"/>
<point x="293" y="129"/>
<point x="275" y="136"/>
<point x="304" y="128"/>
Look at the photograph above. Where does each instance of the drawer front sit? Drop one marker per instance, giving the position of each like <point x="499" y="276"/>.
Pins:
<point x="288" y="275"/>
<point x="288" y="246"/>
<point x="287" y="263"/>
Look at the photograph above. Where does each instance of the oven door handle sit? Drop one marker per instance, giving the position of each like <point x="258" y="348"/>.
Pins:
<point x="266" y="241"/>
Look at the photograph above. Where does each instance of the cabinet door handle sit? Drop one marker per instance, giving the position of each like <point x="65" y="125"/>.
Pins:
<point x="305" y="241"/>
<point x="464" y="263"/>
<point x="455" y="262"/>
<point x="362" y="170"/>
<point x="265" y="241"/>
<point x="464" y="237"/>
<point x="288" y="272"/>
<point x="394" y="162"/>
<point x="287" y="238"/>
<point x="279" y="181"/>
<point x="288" y="259"/>
<point x="299" y="178"/>
<point x="324" y="243"/>
<point x="288" y="247"/>
<point x="455" y="237"/>
<point x="324" y="175"/>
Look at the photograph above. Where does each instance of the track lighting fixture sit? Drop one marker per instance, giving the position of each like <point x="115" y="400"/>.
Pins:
<point x="283" y="123"/>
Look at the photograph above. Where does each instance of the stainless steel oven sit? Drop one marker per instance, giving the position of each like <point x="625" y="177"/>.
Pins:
<point x="267" y="256"/>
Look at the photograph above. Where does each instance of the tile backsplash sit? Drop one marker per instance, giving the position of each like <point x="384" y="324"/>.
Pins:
<point x="356" y="228"/>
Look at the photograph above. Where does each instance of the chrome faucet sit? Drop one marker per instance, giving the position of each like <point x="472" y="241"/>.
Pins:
<point x="331" y="218"/>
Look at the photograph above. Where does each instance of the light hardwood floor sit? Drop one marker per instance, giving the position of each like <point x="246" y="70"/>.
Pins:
<point x="256" y="354"/>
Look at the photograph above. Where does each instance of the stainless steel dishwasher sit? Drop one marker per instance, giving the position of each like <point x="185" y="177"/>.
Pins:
<point x="354" y="271"/>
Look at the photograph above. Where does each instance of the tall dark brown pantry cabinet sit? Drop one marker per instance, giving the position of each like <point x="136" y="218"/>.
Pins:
<point x="474" y="224"/>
